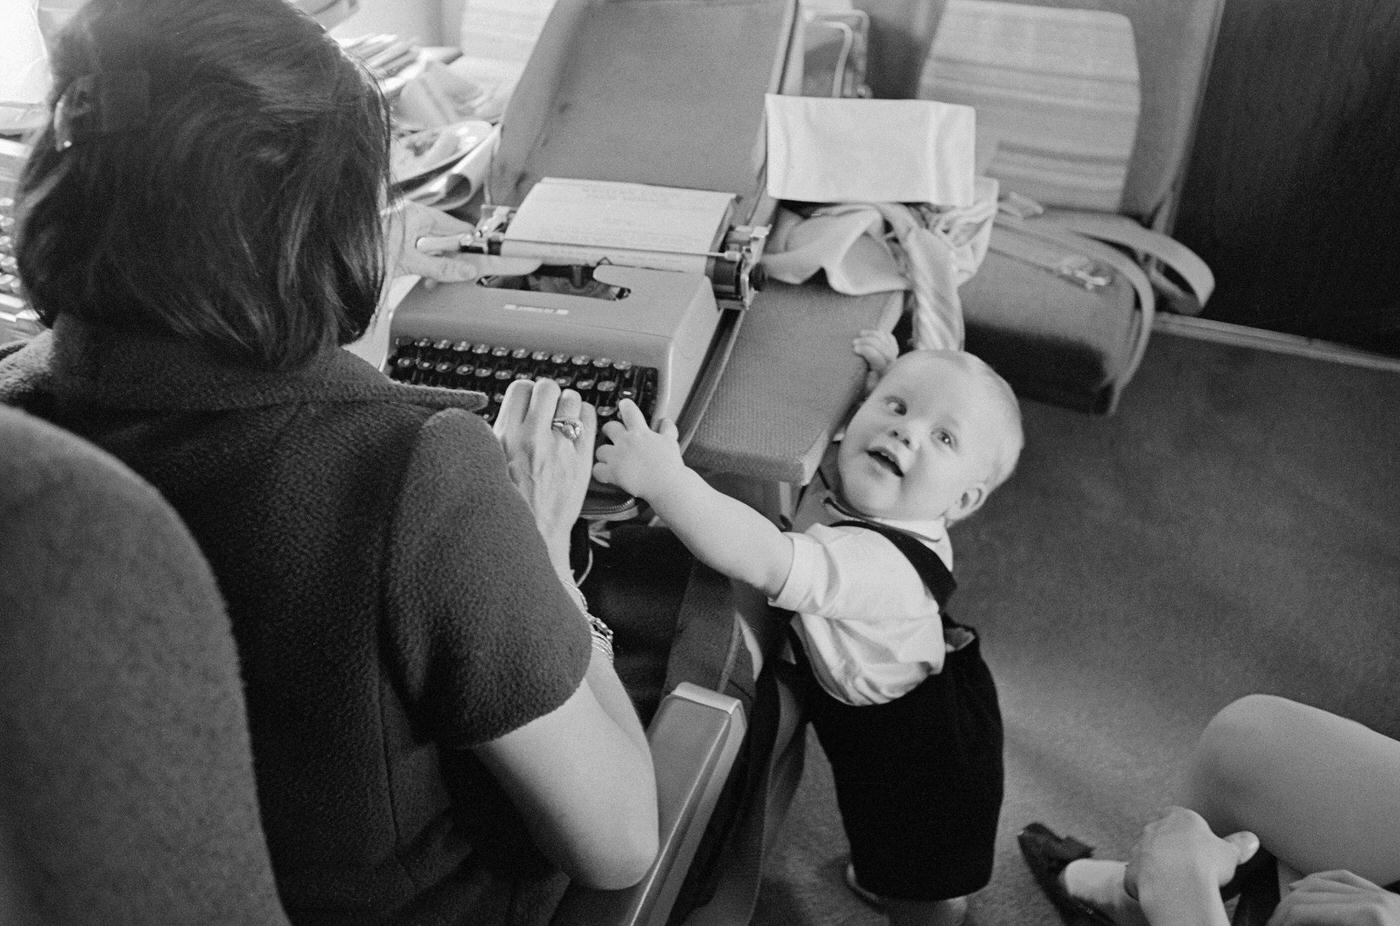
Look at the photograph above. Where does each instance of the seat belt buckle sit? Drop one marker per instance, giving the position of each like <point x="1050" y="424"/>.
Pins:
<point x="1085" y="272"/>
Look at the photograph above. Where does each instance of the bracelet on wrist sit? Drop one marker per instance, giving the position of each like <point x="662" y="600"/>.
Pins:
<point x="576" y="594"/>
<point x="601" y="636"/>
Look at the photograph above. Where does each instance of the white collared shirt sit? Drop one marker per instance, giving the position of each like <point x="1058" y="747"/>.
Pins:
<point x="870" y="627"/>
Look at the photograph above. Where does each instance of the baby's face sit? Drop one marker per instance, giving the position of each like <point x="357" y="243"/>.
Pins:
<point x="922" y="445"/>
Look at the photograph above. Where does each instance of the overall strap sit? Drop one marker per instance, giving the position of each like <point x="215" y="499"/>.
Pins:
<point x="928" y="563"/>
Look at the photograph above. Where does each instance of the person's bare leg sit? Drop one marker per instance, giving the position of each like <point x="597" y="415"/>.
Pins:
<point x="1318" y="789"/>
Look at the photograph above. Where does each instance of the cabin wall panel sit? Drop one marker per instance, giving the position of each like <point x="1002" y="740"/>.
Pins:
<point x="1292" y="193"/>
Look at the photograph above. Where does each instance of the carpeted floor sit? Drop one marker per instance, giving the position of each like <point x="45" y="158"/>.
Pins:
<point x="1233" y="528"/>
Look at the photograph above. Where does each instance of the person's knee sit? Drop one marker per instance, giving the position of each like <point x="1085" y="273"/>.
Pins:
<point x="1233" y="752"/>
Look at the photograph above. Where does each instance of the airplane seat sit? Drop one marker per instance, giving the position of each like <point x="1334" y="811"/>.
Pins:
<point x="126" y="782"/>
<point x="1086" y="115"/>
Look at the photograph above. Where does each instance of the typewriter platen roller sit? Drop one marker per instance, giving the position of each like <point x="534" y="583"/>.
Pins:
<point x="732" y="266"/>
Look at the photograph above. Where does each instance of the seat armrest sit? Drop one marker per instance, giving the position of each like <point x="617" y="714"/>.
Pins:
<point x="695" y="737"/>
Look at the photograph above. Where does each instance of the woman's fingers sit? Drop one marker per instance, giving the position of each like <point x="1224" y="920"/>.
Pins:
<point x="568" y="407"/>
<point x="513" y="408"/>
<point x="527" y="408"/>
<point x="544" y="403"/>
<point x="588" y="415"/>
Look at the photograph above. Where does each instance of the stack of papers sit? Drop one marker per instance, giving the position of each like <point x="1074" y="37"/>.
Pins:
<point x="24" y="72"/>
<point x="443" y="167"/>
<point x="443" y="120"/>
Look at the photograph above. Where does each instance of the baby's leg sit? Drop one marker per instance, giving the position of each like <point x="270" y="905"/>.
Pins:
<point x="1319" y="790"/>
<point x="926" y="912"/>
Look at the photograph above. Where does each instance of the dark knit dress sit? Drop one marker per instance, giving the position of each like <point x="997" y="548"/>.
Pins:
<point x="390" y="597"/>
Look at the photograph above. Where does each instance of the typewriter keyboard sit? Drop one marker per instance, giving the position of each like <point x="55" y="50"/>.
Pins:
<point x="17" y="319"/>
<point x="10" y="300"/>
<point x="490" y="368"/>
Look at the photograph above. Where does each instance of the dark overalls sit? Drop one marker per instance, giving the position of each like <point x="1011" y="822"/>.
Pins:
<point x="918" y="779"/>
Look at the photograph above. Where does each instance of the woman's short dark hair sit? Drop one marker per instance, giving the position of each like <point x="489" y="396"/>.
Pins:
<point x="242" y="213"/>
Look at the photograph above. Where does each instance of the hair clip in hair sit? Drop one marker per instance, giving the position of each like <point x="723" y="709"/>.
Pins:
<point x="101" y="104"/>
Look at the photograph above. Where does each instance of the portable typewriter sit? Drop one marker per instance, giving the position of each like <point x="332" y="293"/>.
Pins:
<point x="570" y="310"/>
<point x="605" y="156"/>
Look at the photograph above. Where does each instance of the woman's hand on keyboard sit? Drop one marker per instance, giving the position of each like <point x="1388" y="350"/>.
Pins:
<point x="638" y="460"/>
<point x="407" y="221"/>
<point x="548" y="468"/>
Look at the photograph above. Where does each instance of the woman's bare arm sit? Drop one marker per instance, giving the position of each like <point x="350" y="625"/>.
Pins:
<point x="583" y="781"/>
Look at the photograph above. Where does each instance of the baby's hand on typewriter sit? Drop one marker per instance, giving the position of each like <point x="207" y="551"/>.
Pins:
<point x="638" y="460"/>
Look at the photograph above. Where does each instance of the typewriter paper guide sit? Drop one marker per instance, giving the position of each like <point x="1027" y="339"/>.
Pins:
<point x="566" y="221"/>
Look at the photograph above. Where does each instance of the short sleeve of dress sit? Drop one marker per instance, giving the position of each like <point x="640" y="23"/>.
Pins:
<point x="479" y="628"/>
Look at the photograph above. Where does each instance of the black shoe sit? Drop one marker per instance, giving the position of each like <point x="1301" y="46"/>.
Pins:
<point x="1048" y="855"/>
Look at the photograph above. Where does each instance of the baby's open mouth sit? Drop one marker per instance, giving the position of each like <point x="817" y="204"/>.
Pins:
<point x="887" y="460"/>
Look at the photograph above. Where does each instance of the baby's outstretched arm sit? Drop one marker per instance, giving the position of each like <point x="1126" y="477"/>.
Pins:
<point x="878" y="349"/>
<point x="723" y="533"/>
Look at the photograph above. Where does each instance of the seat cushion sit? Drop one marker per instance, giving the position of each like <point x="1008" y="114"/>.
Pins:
<point x="1052" y="340"/>
<point x="126" y="787"/>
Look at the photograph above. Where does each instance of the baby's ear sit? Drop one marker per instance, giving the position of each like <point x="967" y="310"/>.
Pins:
<point x="968" y="502"/>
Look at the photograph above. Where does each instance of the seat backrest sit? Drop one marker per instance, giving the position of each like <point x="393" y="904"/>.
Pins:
<point x="126" y="782"/>
<point x="1174" y="43"/>
<point x="666" y="93"/>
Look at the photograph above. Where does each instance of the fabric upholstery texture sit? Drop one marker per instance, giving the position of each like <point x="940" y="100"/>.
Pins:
<point x="1174" y="42"/>
<point x="1059" y="123"/>
<point x="126" y="790"/>
<point x="777" y="422"/>
<point x="1051" y="340"/>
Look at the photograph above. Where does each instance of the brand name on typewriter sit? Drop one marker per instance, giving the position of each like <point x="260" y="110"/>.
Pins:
<point x="540" y="309"/>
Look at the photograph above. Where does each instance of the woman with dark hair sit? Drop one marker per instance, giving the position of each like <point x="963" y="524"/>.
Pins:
<point x="437" y="728"/>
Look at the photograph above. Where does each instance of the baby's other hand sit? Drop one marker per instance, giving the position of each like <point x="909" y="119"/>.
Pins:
<point x="638" y="460"/>
<point x="878" y="349"/>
